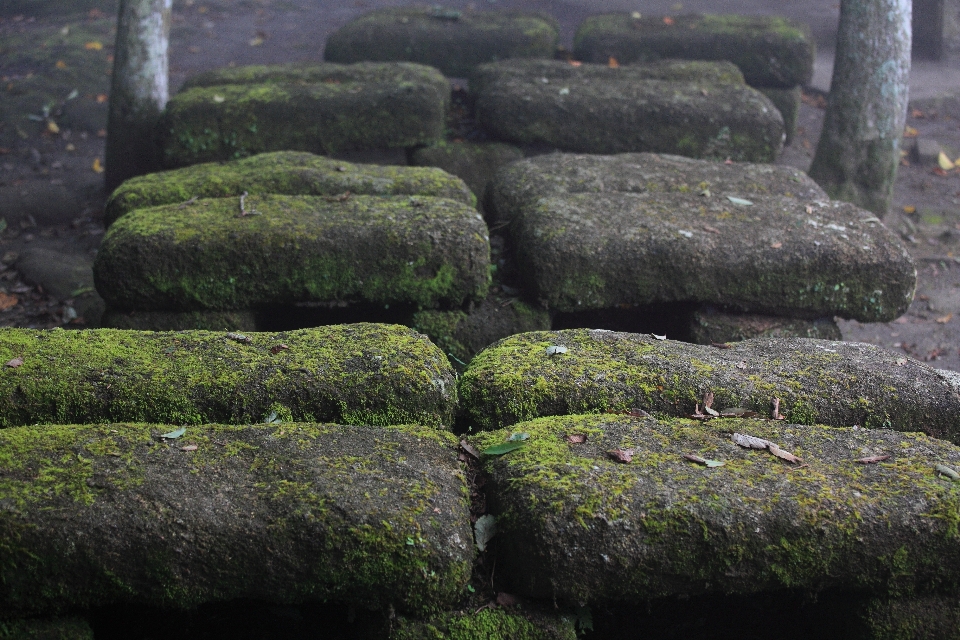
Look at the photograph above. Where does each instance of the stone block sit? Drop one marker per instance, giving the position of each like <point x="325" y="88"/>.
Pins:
<point x="180" y="320"/>
<point x="475" y="163"/>
<point x="710" y="325"/>
<point x="787" y="102"/>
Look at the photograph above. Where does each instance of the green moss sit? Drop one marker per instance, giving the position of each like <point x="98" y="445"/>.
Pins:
<point x="802" y="413"/>
<point x="488" y="624"/>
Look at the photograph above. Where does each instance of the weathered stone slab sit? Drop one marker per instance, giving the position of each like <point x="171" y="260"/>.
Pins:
<point x="180" y="320"/>
<point x="575" y="526"/>
<point x="489" y="624"/>
<point x="475" y="163"/>
<point x="450" y="40"/>
<point x="710" y="325"/>
<point x="770" y="254"/>
<point x="771" y="51"/>
<point x="365" y="374"/>
<point x="281" y="172"/>
<point x="527" y="181"/>
<point x="207" y="256"/>
<point x="934" y="616"/>
<point x="787" y="102"/>
<point x="115" y="513"/>
<point x="46" y="629"/>
<point x="817" y="381"/>
<point x="322" y="108"/>
<point x="597" y="109"/>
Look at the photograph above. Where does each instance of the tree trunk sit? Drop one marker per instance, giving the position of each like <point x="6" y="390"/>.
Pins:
<point x="859" y="148"/>
<point x="139" y="89"/>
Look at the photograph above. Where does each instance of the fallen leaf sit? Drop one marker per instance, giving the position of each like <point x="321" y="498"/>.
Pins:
<point x="507" y="600"/>
<point x="873" y="459"/>
<point x="740" y="201"/>
<point x="637" y="413"/>
<point x="483" y="530"/>
<point x="663" y="337"/>
<point x="909" y="209"/>
<point x="273" y="418"/>
<point x="52" y="127"/>
<point x="61" y="64"/>
<point x="938" y="171"/>
<point x="469" y="448"/>
<point x="667" y="20"/>
<point x="277" y="348"/>
<point x="574" y="63"/>
<point x="621" y="455"/>
<point x="553" y="350"/>
<point x="97" y="167"/>
<point x="944" y="319"/>
<point x="173" y="435"/>
<point x="945" y="163"/>
<point x="917" y="113"/>
<point x="256" y="42"/>
<point x="696" y="415"/>
<point x="239" y="337"/>
<point x="518" y="437"/>
<point x="93" y="45"/>
<point x="7" y="301"/>
<point x="948" y="471"/>
<point x="218" y="98"/>
<point x="710" y="229"/>
<point x="101" y="98"/>
<point x="16" y="362"/>
<point x="776" y="245"/>
<point x="703" y="461"/>
<point x="612" y="63"/>
<point x="189" y="447"/>
<point x="575" y="438"/>
<point x="721" y="345"/>
<point x="708" y="404"/>
<point x="910" y="132"/>
<point x="505" y="447"/>
<point x="749" y="442"/>
<point x="783" y="455"/>
<point x="728" y="161"/>
<point x="101" y="133"/>
<point x="775" y="413"/>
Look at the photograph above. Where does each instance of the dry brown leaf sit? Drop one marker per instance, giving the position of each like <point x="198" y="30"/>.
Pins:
<point x="189" y="447"/>
<point x="945" y="319"/>
<point x="910" y="132"/>
<point x="775" y="414"/>
<point x="696" y="415"/>
<point x="96" y="166"/>
<point x="16" y="362"/>
<point x="776" y="245"/>
<point x="575" y="438"/>
<point x="621" y="455"/>
<point x="749" y="442"/>
<point x="908" y="209"/>
<point x="873" y="459"/>
<point x="783" y="455"/>
<point x="708" y="404"/>
<point x="469" y="448"/>
<point x="7" y="301"/>
<point x="277" y="348"/>
<point x="612" y="63"/>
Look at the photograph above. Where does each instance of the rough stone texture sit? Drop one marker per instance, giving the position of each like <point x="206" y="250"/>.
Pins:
<point x="921" y="617"/>
<point x="787" y="102"/>
<point x="180" y="320"/>
<point x="575" y="526"/>
<point x="114" y="513"/>
<point x="324" y="108"/>
<point x="385" y="250"/>
<point x="364" y="374"/>
<point x="463" y="335"/>
<point x="282" y="172"/>
<point x="777" y="255"/>
<point x="817" y="381"/>
<point x="66" y="276"/>
<point x="46" y="629"/>
<point x="771" y="51"/>
<point x="475" y="163"/>
<point x="528" y="181"/>
<point x="450" y="40"/>
<point x="710" y="325"/>
<point x="525" y="623"/>
<point x="597" y="109"/>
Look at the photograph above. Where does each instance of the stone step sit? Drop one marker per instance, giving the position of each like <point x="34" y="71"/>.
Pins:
<point x="180" y="320"/>
<point x="771" y="51"/>
<point x="576" y="526"/>
<point x="285" y="513"/>
<point x="322" y="108"/>
<point x="281" y="172"/>
<point x="597" y="109"/>
<point x="787" y="102"/>
<point x="710" y="325"/>
<point x="816" y="381"/>
<point x="450" y="40"/>
<point x="208" y="255"/>
<point x="474" y="162"/>
<point x="365" y="374"/>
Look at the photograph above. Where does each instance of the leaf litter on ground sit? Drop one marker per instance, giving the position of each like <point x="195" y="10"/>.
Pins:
<point x="753" y="442"/>
<point x="621" y="455"/>
<point x="575" y="438"/>
<point x="173" y="435"/>
<point x="873" y="459"/>
<point x="704" y="461"/>
<point x="483" y="530"/>
<point x="950" y="472"/>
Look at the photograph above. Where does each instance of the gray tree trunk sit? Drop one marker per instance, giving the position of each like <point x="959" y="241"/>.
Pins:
<point x="139" y="89"/>
<point x="859" y="148"/>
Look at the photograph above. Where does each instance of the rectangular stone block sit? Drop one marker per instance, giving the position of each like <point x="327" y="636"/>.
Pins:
<point x="771" y="51"/>
<point x="549" y="373"/>
<point x="451" y="40"/>
<point x="281" y="172"/>
<point x="710" y="325"/>
<point x="364" y="374"/>
<point x="243" y="253"/>
<point x="597" y="109"/>
<point x="787" y="102"/>
<point x="320" y="108"/>
<point x="284" y="513"/>
<point x="626" y="516"/>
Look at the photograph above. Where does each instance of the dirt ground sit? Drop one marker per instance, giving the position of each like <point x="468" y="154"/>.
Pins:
<point x="55" y="69"/>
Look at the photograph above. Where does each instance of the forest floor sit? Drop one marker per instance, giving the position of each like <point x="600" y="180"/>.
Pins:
<point x="53" y="104"/>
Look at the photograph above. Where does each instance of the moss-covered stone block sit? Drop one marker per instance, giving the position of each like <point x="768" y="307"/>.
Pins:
<point x="771" y="51"/>
<point x="524" y="183"/>
<point x="598" y="109"/>
<point x="816" y="381"/>
<point x="453" y="41"/>
<point x="46" y="629"/>
<point x="284" y="513"/>
<point x="710" y="325"/>
<point x="489" y="624"/>
<point x="931" y="616"/>
<point x="474" y="162"/>
<point x="787" y="102"/>
<point x="363" y="374"/>
<point x="324" y="108"/>
<point x="180" y="320"/>
<point x="575" y="526"/>
<point x="284" y="173"/>
<point x="219" y="254"/>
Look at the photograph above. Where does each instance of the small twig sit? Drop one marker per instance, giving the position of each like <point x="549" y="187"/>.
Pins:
<point x="243" y="211"/>
<point x="493" y="571"/>
<point x="500" y="226"/>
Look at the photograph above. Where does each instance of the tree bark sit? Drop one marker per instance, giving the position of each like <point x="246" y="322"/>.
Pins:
<point x="859" y="148"/>
<point x="139" y="89"/>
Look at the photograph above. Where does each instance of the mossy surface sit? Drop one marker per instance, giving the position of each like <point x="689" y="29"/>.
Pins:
<point x="363" y="374"/>
<point x="575" y="526"/>
<point x="710" y="325"/>
<point x="476" y="163"/>
<point x="787" y="102"/>
<point x="180" y="321"/>
<point x="281" y="172"/>
<point x="489" y="624"/>
<point x="836" y="383"/>
<point x="920" y="617"/>
<point x="597" y="109"/>
<point x="206" y="256"/>
<point x="286" y="513"/>
<point x="771" y="51"/>
<point x="46" y="629"/>
<point x="450" y="40"/>
<point x="370" y="106"/>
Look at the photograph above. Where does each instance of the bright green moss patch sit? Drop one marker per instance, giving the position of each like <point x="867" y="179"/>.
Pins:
<point x="363" y="374"/>
<point x="576" y="526"/>
<point x="489" y="624"/>
<point x="281" y="172"/>
<point x="114" y="513"/>
<point x="416" y="250"/>
<point x="836" y="383"/>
